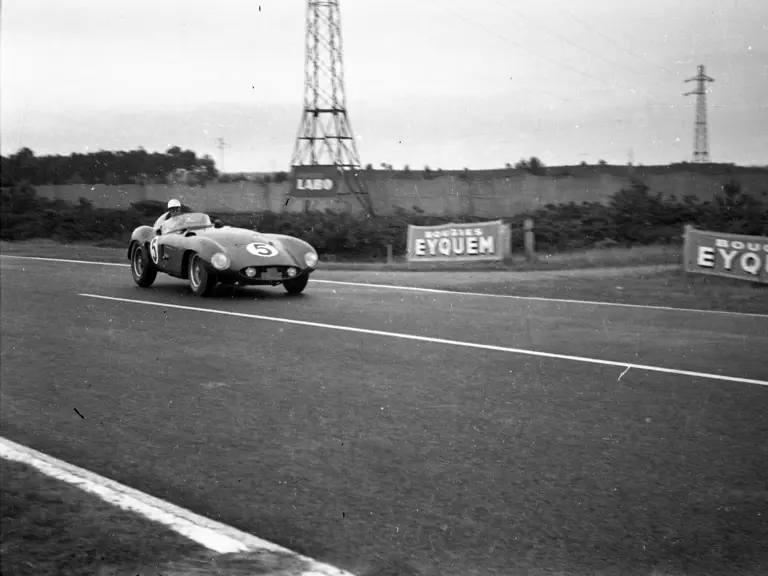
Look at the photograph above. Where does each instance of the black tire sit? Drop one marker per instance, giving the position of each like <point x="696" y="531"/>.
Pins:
<point x="200" y="281"/>
<point x="143" y="269"/>
<point x="296" y="285"/>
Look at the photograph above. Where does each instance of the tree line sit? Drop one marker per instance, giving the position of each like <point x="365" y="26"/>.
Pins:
<point x="177" y="165"/>
<point x="634" y="216"/>
<point x="107" y="167"/>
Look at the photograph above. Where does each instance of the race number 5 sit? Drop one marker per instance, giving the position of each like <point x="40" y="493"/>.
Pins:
<point x="263" y="250"/>
<point x="153" y="249"/>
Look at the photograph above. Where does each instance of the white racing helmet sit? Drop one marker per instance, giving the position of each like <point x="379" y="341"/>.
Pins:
<point x="173" y="203"/>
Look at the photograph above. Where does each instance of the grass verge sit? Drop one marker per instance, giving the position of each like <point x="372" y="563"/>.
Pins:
<point x="672" y="288"/>
<point x="50" y="527"/>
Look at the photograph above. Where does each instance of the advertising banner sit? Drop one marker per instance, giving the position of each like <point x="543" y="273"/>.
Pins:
<point x="315" y="182"/>
<point x="731" y="255"/>
<point x="476" y="242"/>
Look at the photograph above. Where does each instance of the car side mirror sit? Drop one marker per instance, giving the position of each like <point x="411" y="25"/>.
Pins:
<point x="218" y="223"/>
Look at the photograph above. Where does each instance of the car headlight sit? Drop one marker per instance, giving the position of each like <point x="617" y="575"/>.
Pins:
<point x="311" y="259"/>
<point x="220" y="261"/>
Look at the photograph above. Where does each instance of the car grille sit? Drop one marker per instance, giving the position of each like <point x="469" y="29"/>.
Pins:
<point x="267" y="273"/>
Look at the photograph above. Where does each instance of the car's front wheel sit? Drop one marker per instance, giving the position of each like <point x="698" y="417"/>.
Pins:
<point x="143" y="269"/>
<point x="296" y="285"/>
<point x="200" y="281"/>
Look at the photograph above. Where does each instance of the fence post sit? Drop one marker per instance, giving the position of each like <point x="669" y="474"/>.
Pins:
<point x="389" y="254"/>
<point x="506" y="236"/>
<point x="687" y="230"/>
<point x="528" y="240"/>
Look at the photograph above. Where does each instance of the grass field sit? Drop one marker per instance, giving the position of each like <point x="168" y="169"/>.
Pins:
<point x="50" y="527"/>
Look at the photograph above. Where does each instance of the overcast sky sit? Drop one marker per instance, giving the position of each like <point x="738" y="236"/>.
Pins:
<point x="444" y="83"/>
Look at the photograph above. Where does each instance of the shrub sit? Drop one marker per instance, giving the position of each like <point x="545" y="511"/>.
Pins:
<point x="634" y="216"/>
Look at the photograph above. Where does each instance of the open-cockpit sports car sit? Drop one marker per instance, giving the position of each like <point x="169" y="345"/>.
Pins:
<point x="192" y="247"/>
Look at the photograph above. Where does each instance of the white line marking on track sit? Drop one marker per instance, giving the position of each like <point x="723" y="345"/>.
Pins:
<point x="213" y="535"/>
<point x="452" y="292"/>
<point x="431" y="340"/>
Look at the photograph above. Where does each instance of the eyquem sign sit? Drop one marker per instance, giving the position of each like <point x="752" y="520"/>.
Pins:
<point x="465" y="242"/>
<point x="731" y="255"/>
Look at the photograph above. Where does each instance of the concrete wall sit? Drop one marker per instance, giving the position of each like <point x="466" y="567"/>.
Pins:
<point x="234" y="197"/>
<point x="448" y="195"/>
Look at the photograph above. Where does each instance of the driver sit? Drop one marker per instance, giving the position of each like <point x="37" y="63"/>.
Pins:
<point x="174" y="209"/>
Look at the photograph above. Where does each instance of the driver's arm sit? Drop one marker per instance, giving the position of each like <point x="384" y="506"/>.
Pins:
<point x="168" y="226"/>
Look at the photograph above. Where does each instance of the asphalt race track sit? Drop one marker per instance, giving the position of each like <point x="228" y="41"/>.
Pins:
<point x="353" y="447"/>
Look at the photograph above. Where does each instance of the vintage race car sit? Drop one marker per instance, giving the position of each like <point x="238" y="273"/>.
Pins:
<point x="204" y="252"/>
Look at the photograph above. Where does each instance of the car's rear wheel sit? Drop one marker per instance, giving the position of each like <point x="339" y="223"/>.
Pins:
<point x="200" y="281"/>
<point x="143" y="269"/>
<point x="296" y="285"/>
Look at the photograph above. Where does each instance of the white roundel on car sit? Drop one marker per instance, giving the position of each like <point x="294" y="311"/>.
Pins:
<point x="153" y="250"/>
<point x="263" y="250"/>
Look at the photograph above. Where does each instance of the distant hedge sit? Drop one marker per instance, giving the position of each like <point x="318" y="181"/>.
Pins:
<point x="634" y="216"/>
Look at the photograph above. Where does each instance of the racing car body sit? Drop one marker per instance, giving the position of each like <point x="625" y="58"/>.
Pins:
<point x="204" y="252"/>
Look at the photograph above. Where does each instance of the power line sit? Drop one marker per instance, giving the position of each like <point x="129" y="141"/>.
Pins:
<point x="574" y="44"/>
<point x="534" y="53"/>
<point x="606" y="38"/>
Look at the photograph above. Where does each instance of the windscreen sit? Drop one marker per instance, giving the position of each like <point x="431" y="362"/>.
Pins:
<point x="192" y="220"/>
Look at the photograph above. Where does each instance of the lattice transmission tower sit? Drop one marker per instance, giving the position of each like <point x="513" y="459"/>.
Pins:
<point x="325" y="140"/>
<point x="700" y="136"/>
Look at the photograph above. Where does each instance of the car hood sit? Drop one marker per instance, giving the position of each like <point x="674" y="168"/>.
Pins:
<point x="235" y="240"/>
<point x="229" y="236"/>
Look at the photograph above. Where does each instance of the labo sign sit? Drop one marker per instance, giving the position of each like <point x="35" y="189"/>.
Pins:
<point x="732" y="255"/>
<point x="315" y="182"/>
<point x="458" y="242"/>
